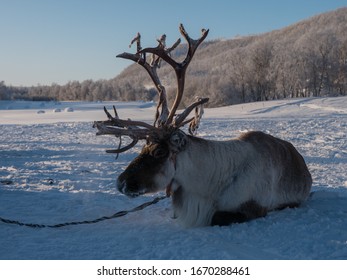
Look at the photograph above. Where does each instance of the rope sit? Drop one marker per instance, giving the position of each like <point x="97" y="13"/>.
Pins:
<point x="115" y="215"/>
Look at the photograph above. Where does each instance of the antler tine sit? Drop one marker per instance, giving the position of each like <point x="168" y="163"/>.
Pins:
<point x="110" y="118"/>
<point x="195" y="123"/>
<point x="160" y="118"/>
<point x="193" y="44"/>
<point x="121" y="150"/>
<point x="179" y="120"/>
<point x="115" y="112"/>
<point x="174" y="46"/>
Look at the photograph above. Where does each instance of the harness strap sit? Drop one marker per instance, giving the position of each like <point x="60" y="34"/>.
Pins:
<point x="169" y="191"/>
<point x="174" y="159"/>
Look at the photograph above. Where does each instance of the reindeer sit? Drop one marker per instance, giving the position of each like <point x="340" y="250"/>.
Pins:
<point x="210" y="182"/>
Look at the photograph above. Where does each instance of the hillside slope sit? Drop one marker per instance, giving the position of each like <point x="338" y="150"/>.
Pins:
<point x="290" y="62"/>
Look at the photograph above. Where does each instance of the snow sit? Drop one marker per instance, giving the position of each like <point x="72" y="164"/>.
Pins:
<point x="53" y="169"/>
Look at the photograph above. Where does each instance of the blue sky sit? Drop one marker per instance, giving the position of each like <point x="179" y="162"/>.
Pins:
<point x="46" y="41"/>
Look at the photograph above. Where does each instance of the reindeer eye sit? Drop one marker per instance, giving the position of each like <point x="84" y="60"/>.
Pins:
<point x="159" y="152"/>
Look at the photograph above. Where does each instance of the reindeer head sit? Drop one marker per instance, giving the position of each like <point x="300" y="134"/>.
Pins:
<point x="154" y="168"/>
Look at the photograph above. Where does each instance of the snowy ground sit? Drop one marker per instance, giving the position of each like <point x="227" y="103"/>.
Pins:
<point x="53" y="169"/>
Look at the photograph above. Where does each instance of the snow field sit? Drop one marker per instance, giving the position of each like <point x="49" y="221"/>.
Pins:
<point x="53" y="169"/>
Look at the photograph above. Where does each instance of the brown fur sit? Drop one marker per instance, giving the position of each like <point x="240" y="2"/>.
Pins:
<point x="248" y="211"/>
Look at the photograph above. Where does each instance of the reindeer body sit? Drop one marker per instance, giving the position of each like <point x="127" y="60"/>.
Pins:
<point x="245" y="177"/>
<point x="220" y="182"/>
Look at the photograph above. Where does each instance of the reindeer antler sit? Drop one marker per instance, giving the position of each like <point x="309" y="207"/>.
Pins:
<point x="180" y="68"/>
<point x="165" y="119"/>
<point x="118" y="127"/>
<point x="151" y="68"/>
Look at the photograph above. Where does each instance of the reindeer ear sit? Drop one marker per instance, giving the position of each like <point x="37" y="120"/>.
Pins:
<point x="178" y="140"/>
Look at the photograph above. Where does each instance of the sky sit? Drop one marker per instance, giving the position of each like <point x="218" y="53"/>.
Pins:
<point x="46" y="41"/>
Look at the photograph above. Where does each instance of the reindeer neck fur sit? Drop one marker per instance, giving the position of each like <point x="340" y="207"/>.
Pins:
<point x="203" y="171"/>
<point x="199" y="164"/>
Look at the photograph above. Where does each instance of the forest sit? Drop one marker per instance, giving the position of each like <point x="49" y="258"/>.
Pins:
<point x="306" y="59"/>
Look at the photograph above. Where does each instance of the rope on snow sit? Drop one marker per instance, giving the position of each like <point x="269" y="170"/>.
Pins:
<point x="115" y="215"/>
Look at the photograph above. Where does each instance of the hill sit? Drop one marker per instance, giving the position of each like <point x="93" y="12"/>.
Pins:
<point x="305" y="59"/>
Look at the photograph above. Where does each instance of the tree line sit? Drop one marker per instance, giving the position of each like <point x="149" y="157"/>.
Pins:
<point x="307" y="59"/>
